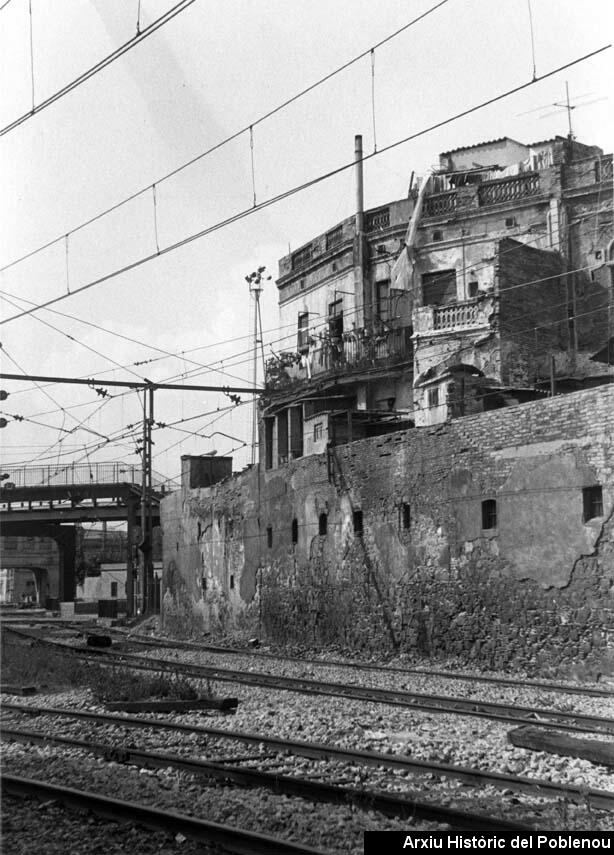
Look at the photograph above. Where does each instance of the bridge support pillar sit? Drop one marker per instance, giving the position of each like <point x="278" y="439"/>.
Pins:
<point x="130" y="568"/>
<point x="66" y="539"/>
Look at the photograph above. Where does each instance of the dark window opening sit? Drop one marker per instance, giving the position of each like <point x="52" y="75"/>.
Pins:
<point x="405" y="515"/>
<point x="232" y="580"/>
<point x="438" y="235"/>
<point x="474" y="287"/>
<point x="268" y="442"/>
<point x="322" y="524"/>
<point x="114" y="589"/>
<point x="334" y="237"/>
<point x="382" y="299"/>
<point x="295" y="530"/>
<point x="489" y="513"/>
<point x="303" y="331"/>
<point x="203" y="583"/>
<point x="433" y="396"/>
<point x="592" y="498"/>
<point x="302" y="257"/>
<point x="230" y="527"/>
<point x="357" y="521"/>
<point x="335" y="319"/>
<point x="200" y="531"/>
<point x="282" y="437"/>
<point x="439" y="288"/>
<point x="510" y="222"/>
<point x="269" y="536"/>
<point x="598" y="254"/>
<point x="296" y="432"/>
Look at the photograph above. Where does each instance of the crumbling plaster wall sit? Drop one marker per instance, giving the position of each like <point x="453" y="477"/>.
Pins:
<point x="536" y="591"/>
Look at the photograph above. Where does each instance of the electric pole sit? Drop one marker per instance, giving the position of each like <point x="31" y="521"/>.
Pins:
<point x="254" y="281"/>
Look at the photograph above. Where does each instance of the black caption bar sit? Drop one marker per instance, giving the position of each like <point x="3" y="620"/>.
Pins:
<point x="389" y="842"/>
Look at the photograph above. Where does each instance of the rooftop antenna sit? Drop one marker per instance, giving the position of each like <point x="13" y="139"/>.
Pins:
<point x="566" y="105"/>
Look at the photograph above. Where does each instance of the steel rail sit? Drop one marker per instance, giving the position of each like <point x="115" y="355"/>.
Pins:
<point x="235" y="839"/>
<point x="147" y="641"/>
<point x="391" y="805"/>
<point x="366" y="666"/>
<point x="509" y="713"/>
<point x="441" y="704"/>
<point x="602" y="799"/>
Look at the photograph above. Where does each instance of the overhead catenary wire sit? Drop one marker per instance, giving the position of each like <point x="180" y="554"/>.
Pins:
<point x="299" y="188"/>
<point x="99" y="66"/>
<point x="236" y="134"/>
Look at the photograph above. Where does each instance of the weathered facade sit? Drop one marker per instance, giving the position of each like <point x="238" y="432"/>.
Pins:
<point x="486" y="287"/>
<point x="490" y="537"/>
<point x="423" y="484"/>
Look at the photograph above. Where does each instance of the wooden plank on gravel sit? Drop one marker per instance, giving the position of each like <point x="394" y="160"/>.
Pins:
<point x="12" y="689"/>
<point x="174" y="705"/>
<point x="559" y="743"/>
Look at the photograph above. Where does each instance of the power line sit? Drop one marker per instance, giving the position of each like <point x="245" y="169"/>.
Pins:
<point x="232" y="137"/>
<point x="298" y="188"/>
<point x="120" y="51"/>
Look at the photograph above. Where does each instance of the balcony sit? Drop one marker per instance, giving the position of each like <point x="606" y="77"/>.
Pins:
<point x="354" y="351"/>
<point x="509" y="189"/>
<point x="440" y="204"/>
<point x="454" y="316"/>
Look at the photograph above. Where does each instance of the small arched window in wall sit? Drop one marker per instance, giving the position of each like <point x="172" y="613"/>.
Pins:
<point x="322" y="524"/>
<point x="489" y="514"/>
<point x="295" y="530"/>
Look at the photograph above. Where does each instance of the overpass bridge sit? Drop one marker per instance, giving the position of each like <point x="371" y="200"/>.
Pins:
<point x="48" y="501"/>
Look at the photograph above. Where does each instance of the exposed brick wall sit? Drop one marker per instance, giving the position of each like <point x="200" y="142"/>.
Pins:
<point x="535" y="592"/>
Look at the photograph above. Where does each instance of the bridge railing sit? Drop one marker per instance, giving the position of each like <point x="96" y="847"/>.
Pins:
<point x="79" y="473"/>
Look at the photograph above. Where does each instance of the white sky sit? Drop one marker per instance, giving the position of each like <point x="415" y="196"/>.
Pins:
<point x="214" y="69"/>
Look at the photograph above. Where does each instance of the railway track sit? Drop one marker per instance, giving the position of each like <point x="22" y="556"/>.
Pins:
<point x="388" y="804"/>
<point x="442" y="704"/>
<point x="508" y="713"/>
<point x="235" y="840"/>
<point x="163" y="642"/>
<point x="598" y="799"/>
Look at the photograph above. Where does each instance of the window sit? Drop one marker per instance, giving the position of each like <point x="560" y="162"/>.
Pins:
<point x="303" y="331"/>
<point x="282" y="437"/>
<point x="296" y="432"/>
<point x="382" y="297"/>
<point x="433" y="396"/>
<point x="322" y="524"/>
<point x="489" y="514"/>
<point x="302" y="257"/>
<point x="474" y="288"/>
<point x="438" y="235"/>
<point x="334" y="237"/>
<point x="510" y="222"/>
<point x="439" y="287"/>
<point x="295" y="530"/>
<point x="335" y="319"/>
<point x="405" y="515"/>
<point x="357" y="521"/>
<point x="317" y="431"/>
<point x="269" y="536"/>
<point x="232" y="581"/>
<point x="592" y="498"/>
<point x="268" y="442"/>
<point x="114" y="589"/>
